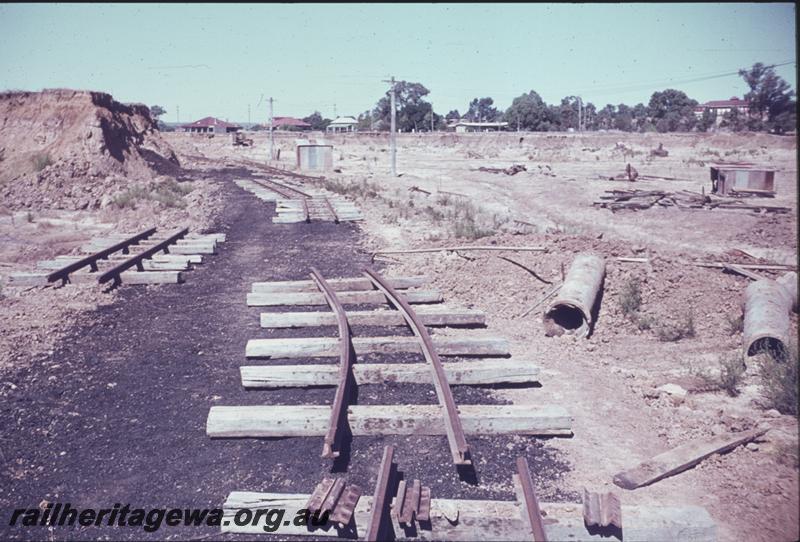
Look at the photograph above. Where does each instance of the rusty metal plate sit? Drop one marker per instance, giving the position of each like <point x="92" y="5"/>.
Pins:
<point x="424" y="509"/>
<point x="602" y="509"/>
<point x="410" y="504"/>
<point x="346" y="505"/>
<point x="330" y="501"/>
<point x="320" y="493"/>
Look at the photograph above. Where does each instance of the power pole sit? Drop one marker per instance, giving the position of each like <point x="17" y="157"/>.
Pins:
<point x="271" y="139"/>
<point x="431" y="118"/>
<point x="335" y="116"/>
<point x="392" y="134"/>
<point x="580" y="114"/>
<point x="177" y="114"/>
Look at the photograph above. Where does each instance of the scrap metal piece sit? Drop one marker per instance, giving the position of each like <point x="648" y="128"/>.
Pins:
<point x="339" y="407"/>
<point x="330" y="501"/>
<point x="332" y="210"/>
<point x="319" y="495"/>
<point x="346" y="505"/>
<point x="571" y="310"/>
<point x="410" y="504"/>
<point x="601" y="509"/>
<point x="424" y="511"/>
<point x="453" y="428"/>
<point x="399" y="500"/>
<point x="531" y="512"/>
<point x="380" y="496"/>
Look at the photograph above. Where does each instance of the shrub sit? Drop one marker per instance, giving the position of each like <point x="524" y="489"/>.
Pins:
<point x="731" y="371"/>
<point x="735" y="323"/>
<point x="630" y="297"/>
<point x="779" y="378"/>
<point x="684" y="329"/>
<point x="41" y="160"/>
<point x="168" y="193"/>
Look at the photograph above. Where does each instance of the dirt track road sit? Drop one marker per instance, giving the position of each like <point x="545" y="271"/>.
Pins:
<point x="117" y="413"/>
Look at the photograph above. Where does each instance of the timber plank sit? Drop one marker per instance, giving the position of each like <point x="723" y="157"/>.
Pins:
<point x="312" y="420"/>
<point x="315" y="298"/>
<point x="430" y="316"/>
<point x="476" y="372"/>
<point x="339" y="285"/>
<point x="328" y="346"/>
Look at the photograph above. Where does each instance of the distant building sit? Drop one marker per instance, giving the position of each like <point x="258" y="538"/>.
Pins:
<point x="720" y="107"/>
<point x="210" y="125"/>
<point x="343" y="124"/>
<point x="462" y="126"/>
<point x="289" y="123"/>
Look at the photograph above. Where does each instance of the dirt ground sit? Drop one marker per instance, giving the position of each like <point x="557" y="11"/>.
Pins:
<point x="160" y="361"/>
<point x="608" y="381"/>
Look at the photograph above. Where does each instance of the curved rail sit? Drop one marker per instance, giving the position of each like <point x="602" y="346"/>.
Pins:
<point x="339" y="407"/>
<point x="286" y="191"/>
<point x="453" y="428"/>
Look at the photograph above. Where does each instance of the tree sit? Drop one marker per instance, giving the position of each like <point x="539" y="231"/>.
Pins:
<point x="411" y="107"/>
<point x="623" y="120"/>
<point x="770" y="98"/>
<point x="734" y="121"/>
<point x="453" y="115"/>
<point x="605" y="117"/>
<point x="707" y="121"/>
<point x="316" y="121"/>
<point x="672" y="110"/>
<point x="364" y="121"/>
<point x="530" y="111"/>
<point x="639" y="113"/>
<point x="568" y="113"/>
<point x="482" y="110"/>
<point x="156" y="111"/>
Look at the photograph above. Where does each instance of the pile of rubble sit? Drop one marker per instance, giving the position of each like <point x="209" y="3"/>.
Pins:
<point x="683" y="199"/>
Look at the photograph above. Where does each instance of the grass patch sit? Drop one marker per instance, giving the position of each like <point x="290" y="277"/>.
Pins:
<point x="735" y="323"/>
<point x="630" y="297"/>
<point x="779" y="378"/>
<point x="362" y="189"/>
<point x="731" y="371"/>
<point x="41" y="160"/>
<point x="169" y="194"/>
<point x="674" y="332"/>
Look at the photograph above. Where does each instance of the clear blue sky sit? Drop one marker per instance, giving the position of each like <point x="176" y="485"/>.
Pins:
<point x="215" y="59"/>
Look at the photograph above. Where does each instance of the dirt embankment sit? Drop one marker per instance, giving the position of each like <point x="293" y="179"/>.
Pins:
<point x="70" y="149"/>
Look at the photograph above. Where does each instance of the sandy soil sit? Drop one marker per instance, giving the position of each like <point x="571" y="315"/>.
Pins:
<point x="608" y="380"/>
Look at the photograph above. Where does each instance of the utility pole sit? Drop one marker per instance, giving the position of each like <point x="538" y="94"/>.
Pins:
<point x="431" y="117"/>
<point x="580" y="114"/>
<point x="177" y="114"/>
<point x="335" y="116"/>
<point x="392" y="134"/>
<point x="271" y="139"/>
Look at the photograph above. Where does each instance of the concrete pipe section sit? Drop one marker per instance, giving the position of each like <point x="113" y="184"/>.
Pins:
<point x="571" y="310"/>
<point x="767" y="304"/>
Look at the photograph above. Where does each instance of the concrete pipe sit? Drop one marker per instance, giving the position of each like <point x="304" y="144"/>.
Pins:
<point x="767" y="304"/>
<point x="571" y="309"/>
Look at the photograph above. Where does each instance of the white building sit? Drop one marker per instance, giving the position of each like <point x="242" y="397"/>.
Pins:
<point x="343" y="124"/>
<point x="465" y="126"/>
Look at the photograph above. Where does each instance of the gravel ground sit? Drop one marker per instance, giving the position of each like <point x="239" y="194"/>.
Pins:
<point x="117" y="413"/>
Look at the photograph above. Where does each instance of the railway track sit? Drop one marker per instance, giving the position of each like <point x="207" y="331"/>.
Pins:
<point x="295" y="205"/>
<point x="401" y="506"/>
<point x="147" y="257"/>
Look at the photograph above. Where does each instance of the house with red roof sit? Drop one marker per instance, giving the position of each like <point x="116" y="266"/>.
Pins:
<point x="720" y="107"/>
<point x="289" y="123"/>
<point x="210" y="125"/>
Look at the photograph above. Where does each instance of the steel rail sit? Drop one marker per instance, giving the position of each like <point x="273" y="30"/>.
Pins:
<point x="282" y="189"/>
<point x="453" y="428"/>
<point x="332" y="210"/>
<point x="91" y="260"/>
<point x="532" y="511"/>
<point x="380" y="496"/>
<point x="339" y="407"/>
<point x="114" y="272"/>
